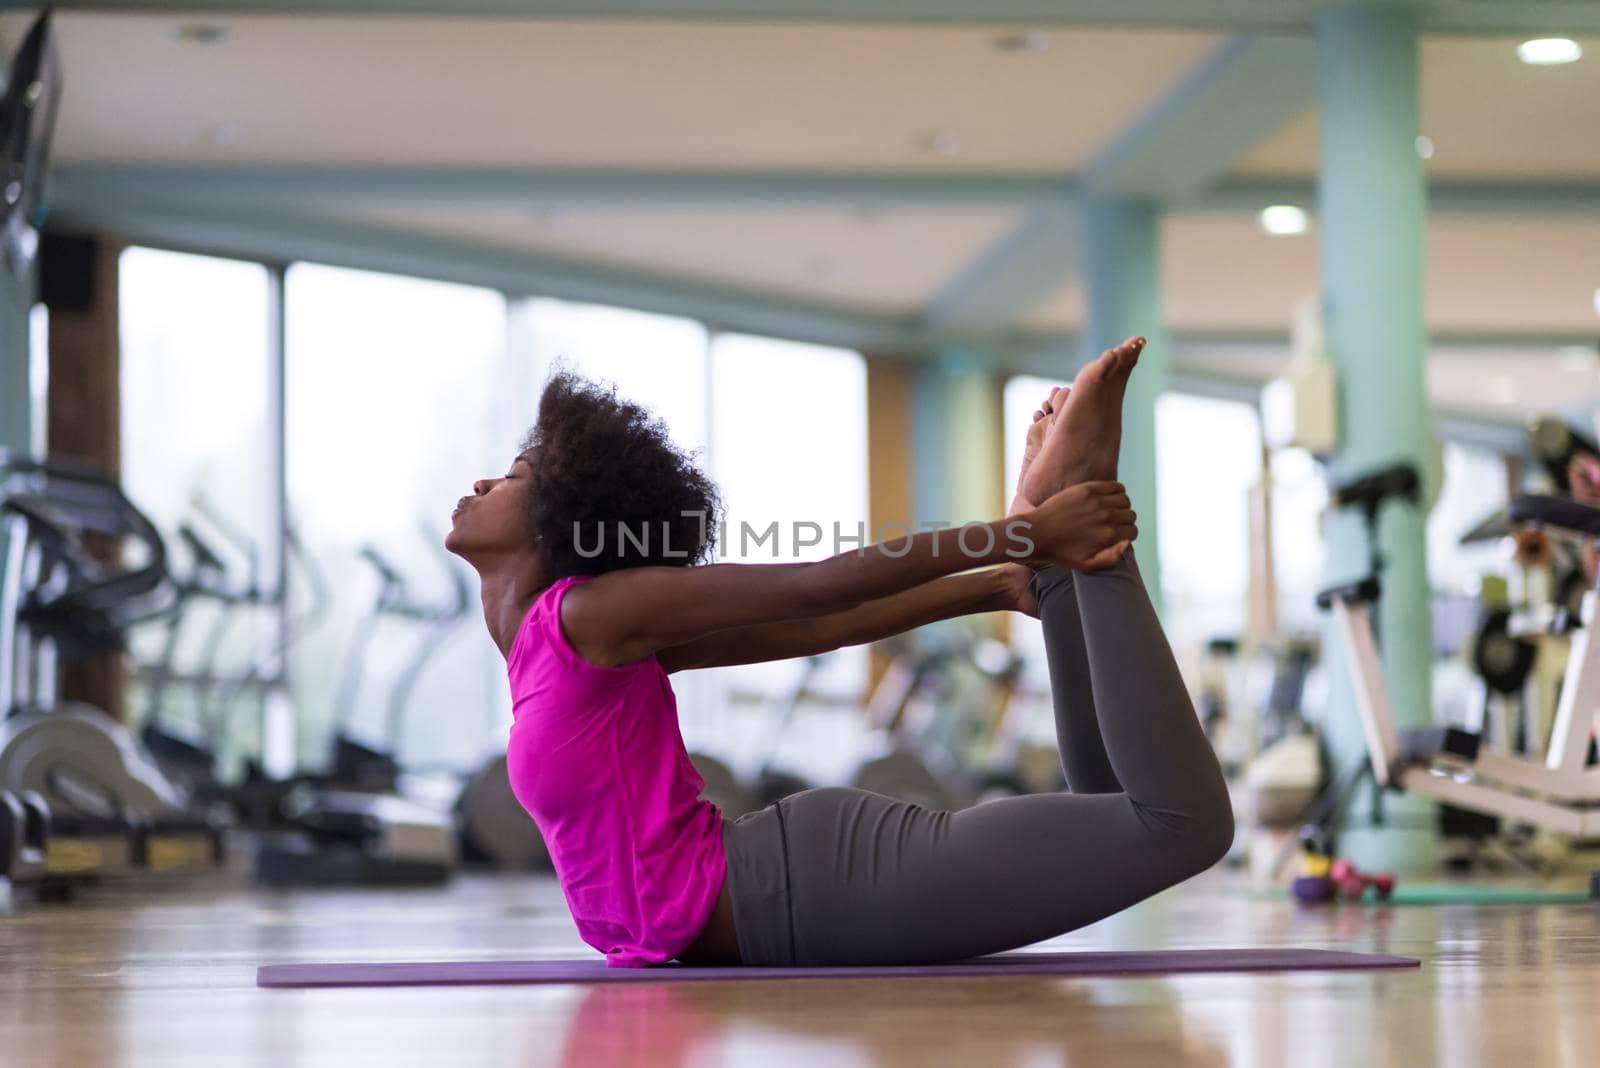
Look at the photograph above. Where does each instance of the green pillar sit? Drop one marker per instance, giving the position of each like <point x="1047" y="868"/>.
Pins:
<point x="1122" y="273"/>
<point x="1372" y="225"/>
<point x="957" y="466"/>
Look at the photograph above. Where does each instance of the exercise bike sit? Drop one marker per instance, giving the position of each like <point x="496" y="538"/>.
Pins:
<point x="1560" y="792"/>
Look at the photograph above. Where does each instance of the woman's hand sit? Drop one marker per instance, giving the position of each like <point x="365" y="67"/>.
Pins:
<point x="1086" y="527"/>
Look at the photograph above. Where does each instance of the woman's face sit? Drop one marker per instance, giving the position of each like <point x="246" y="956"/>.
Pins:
<point x="490" y="521"/>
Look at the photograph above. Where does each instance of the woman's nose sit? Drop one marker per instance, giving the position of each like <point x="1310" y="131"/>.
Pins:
<point x="481" y="486"/>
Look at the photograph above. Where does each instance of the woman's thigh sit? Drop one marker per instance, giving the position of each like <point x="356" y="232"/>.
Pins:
<point x="874" y="880"/>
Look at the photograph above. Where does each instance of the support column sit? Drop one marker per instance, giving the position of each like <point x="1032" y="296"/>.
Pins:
<point x="78" y="283"/>
<point x="890" y="452"/>
<point x="957" y="466"/>
<point x="1372" y="224"/>
<point x="1122" y="273"/>
<point x="936" y="451"/>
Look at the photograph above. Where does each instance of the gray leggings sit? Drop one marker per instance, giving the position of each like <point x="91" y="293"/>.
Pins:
<point x="842" y="876"/>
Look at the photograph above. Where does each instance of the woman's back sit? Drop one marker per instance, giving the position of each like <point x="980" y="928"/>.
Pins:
<point x="597" y="758"/>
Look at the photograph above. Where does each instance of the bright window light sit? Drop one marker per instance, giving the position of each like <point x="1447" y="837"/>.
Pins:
<point x="1549" y="51"/>
<point x="1284" y="220"/>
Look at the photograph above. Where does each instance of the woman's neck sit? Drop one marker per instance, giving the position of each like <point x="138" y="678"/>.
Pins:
<point x="507" y="592"/>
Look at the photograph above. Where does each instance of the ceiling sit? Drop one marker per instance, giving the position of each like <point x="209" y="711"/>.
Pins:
<point x="483" y="92"/>
<point x="867" y="257"/>
<point x="1488" y="114"/>
<point x="1488" y="276"/>
<point x="759" y="98"/>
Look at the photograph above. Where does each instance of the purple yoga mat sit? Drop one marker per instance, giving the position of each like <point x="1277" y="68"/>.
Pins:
<point x="1154" y="962"/>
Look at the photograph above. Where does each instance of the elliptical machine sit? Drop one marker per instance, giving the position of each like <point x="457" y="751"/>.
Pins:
<point x="107" y="806"/>
<point x="350" y="826"/>
<point x="193" y="758"/>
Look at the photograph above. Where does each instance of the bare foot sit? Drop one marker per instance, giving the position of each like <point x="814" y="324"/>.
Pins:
<point x="1085" y="437"/>
<point x="1043" y="419"/>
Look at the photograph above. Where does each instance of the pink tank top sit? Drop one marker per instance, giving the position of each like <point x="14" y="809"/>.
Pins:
<point x="598" y="761"/>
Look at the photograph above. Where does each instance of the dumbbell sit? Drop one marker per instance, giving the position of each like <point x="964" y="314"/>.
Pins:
<point x="1351" y="882"/>
<point x="1313" y="885"/>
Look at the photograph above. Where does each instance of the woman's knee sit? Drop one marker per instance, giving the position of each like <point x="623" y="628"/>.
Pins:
<point x="1196" y="837"/>
<point x="1216" y="832"/>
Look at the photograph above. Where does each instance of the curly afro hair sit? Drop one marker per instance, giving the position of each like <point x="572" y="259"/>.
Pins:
<point x="609" y="489"/>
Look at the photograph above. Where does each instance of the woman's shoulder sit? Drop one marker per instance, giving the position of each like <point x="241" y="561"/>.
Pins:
<point x="541" y="629"/>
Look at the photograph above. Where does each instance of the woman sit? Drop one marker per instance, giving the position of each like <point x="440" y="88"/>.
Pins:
<point x="592" y="623"/>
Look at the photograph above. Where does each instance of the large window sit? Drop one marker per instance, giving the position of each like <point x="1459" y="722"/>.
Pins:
<point x="396" y="403"/>
<point x="397" y="394"/>
<point x="658" y="361"/>
<point x="1209" y="455"/>
<point x="1474" y="488"/>
<point x="197" y="452"/>
<point x="788" y="447"/>
<point x="1299" y="548"/>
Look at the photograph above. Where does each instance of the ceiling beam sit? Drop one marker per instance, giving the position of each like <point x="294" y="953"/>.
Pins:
<point x="1442" y="16"/>
<point x="1241" y="94"/>
<point x="241" y="184"/>
<point x="1445" y="196"/>
<point x="82" y="184"/>
<point x="1248" y="87"/>
<point x="1022" y="270"/>
<point x="277" y="237"/>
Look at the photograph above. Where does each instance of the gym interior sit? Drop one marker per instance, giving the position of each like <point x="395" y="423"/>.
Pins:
<point x="281" y="280"/>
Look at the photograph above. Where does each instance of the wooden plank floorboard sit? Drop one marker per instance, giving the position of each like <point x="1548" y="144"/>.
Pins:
<point x="164" y="975"/>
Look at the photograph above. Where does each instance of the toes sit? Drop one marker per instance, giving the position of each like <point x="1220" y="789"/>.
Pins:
<point x="1128" y="353"/>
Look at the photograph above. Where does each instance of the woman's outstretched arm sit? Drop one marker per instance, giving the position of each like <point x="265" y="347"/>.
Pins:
<point x="995" y="590"/>
<point x="627" y="615"/>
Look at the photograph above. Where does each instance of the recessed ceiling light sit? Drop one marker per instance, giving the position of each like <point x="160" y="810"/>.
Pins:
<point x="201" y="33"/>
<point x="1549" y="51"/>
<point x="1424" y="146"/>
<point x="1029" y="41"/>
<point x="1284" y="220"/>
<point x="944" y="142"/>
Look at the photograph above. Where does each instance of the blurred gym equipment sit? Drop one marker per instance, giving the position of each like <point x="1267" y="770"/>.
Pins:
<point x="193" y="758"/>
<point x="770" y="784"/>
<point x="351" y="826"/>
<point x="109" y="807"/>
<point x="969" y="746"/>
<point x="1558" y="793"/>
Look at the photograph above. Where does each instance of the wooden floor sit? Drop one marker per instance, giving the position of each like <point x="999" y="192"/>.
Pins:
<point x="165" y="976"/>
